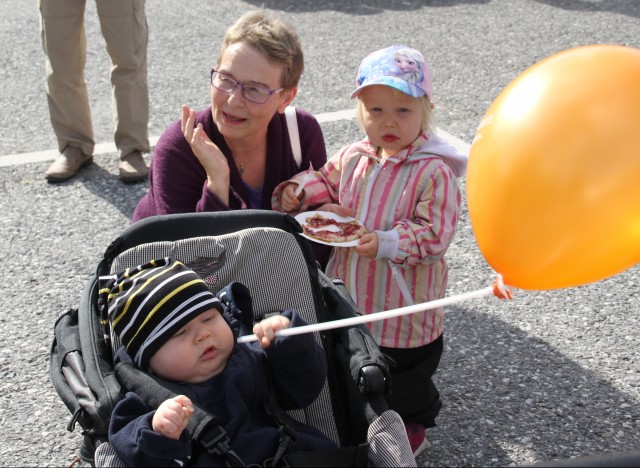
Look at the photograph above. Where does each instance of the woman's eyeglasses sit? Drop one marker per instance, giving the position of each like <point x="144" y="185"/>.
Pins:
<point x="254" y="93"/>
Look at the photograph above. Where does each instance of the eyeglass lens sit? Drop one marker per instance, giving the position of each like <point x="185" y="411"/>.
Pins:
<point x="254" y="93"/>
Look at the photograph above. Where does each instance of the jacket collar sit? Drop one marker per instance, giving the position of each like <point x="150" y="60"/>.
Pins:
<point x="424" y="147"/>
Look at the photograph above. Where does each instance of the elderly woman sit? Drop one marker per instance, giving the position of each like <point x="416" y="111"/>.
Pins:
<point x="233" y="154"/>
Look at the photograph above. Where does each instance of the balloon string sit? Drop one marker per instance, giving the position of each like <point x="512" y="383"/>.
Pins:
<point x="498" y="289"/>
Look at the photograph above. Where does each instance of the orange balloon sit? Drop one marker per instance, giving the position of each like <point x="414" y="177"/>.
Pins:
<point x="553" y="181"/>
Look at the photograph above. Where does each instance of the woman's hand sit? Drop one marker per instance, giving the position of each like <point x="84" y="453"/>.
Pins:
<point x="368" y="245"/>
<point x="266" y="329"/>
<point x="290" y="201"/>
<point x="209" y="155"/>
<point x="171" y="418"/>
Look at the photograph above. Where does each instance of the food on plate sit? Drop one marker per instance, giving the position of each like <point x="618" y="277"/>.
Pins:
<point x="337" y="231"/>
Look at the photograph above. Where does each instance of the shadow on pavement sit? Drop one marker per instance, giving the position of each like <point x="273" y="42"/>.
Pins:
<point x="623" y="7"/>
<point x="510" y="395"/>
<point x="358" y="8"/>
<point x="107" y="185"/>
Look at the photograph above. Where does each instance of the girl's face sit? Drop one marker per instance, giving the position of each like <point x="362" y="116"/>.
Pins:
<point x="197" y="352"/>
<point x="236" y="117"/>
<point x="392" y="120"/>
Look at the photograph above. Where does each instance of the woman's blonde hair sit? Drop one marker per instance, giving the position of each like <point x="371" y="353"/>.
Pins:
<point x="273" y="37"/>
<point x="428" y="117"/>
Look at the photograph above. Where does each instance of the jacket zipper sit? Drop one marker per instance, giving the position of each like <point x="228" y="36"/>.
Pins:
<point x="402" y="284"/>
<point x="363" y="214"/>
<point x="397" y="276"/>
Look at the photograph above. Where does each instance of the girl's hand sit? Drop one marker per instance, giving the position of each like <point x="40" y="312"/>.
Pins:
<point x="209" y="155"/>
<point x="368" y="245"/>
<point x="171" y="418"/>
<point x="289" y="200"/>
<point x="266" y="330"/>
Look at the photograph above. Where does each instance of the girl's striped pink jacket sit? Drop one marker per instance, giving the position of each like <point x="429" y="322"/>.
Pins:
<point x="412" y="201"/>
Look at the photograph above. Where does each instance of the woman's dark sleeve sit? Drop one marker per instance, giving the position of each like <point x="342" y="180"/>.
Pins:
<point x="177" y="177"/>
<point x="178" y="182"/>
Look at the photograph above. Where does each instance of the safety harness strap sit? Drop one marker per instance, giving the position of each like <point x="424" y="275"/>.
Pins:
<point x="203" y="426"/>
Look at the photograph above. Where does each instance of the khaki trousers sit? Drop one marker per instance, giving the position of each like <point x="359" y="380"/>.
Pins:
<point x="124" y="28"/>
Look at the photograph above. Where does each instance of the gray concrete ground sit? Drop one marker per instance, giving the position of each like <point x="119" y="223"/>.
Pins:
<point x="549" y="375"/>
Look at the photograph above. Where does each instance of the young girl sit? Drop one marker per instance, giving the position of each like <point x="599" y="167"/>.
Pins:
<point x="400" y="182"/>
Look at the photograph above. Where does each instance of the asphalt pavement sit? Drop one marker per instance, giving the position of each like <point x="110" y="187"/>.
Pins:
<point x="548" y="375"/>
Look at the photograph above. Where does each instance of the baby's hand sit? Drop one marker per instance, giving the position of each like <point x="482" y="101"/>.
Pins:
<point x="172" y="417"/>
<point x="289" y="200"/>
<point x="368" y="245"/>
<point x="266" y="330"/>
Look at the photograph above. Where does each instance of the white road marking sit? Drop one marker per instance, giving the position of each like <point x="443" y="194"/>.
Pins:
<point x="104" y="148"/>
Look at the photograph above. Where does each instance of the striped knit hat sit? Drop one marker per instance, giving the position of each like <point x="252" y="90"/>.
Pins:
<point x="148" y="304"/>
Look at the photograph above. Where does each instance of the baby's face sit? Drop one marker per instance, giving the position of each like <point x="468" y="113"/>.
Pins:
<point x="197" y="352"/>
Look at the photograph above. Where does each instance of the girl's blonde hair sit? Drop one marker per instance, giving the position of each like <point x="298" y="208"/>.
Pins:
<point x="273" y="37"/>
<point x="428" y="117"/>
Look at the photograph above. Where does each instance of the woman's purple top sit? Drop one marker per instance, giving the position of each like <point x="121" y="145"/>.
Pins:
<point x="177" y="180"/>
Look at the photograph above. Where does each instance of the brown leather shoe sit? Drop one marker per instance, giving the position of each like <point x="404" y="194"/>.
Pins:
<point x="132" y="167"/>
<point x="67" y="164"/>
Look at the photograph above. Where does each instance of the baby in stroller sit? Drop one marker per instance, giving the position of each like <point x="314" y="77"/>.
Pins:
<point x="172" y="325"/>
<point x="256" y="263"/>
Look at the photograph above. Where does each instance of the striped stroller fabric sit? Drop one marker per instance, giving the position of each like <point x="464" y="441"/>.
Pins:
<point x="106" y="456"/>
<point x="388" y="444"/>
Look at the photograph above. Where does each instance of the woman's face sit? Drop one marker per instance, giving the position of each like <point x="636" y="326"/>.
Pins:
<point x="236" y="117"/>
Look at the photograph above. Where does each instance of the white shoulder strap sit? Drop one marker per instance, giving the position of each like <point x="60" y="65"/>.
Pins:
<point x="294" y="135"/>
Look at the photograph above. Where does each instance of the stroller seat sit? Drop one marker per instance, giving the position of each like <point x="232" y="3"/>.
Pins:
<point x="266" y="260"/>
<point x="264" y="251"/>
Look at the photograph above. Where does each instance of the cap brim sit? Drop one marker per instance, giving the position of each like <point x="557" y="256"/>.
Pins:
<point x="393" y="82"/>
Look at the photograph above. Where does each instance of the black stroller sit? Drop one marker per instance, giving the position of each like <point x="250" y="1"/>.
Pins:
<point x="264" y="251"/>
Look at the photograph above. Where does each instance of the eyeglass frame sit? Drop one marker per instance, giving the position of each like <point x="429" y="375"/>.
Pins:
<point x="270" y="92"/>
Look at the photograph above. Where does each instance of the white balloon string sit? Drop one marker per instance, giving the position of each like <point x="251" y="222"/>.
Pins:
<point x="314" y="327"/>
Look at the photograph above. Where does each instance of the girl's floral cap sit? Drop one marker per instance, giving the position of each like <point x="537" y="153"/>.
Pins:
<point x="398" y="66"/>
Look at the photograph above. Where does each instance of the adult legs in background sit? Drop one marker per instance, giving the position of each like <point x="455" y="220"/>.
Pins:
<point x="64" y="43"/>
<point x="124" y="27"/>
